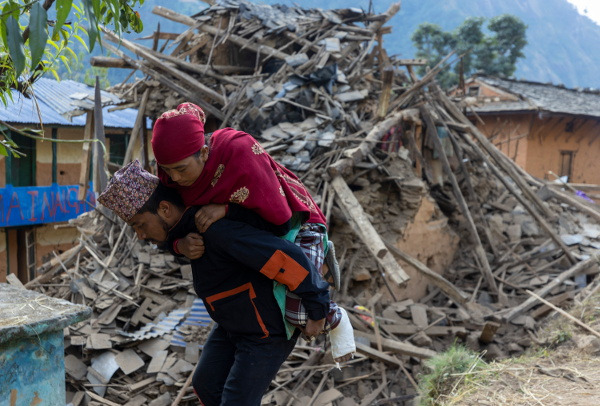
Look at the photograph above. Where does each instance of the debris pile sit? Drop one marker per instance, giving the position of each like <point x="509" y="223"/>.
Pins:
<point x="382" y="152"/>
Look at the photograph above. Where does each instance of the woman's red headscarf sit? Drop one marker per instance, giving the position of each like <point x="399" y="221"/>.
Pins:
<point x="238" y="170"/>
<point x="178" y="133"/>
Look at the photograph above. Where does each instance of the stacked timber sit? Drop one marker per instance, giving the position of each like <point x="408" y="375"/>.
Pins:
<point x="396" y="167"/>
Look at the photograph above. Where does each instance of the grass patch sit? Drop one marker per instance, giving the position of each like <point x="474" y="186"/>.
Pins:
<point x="449" y="373"/>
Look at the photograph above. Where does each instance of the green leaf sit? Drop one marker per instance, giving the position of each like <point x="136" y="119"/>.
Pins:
<point x="15" y="44"/>
<point x="38" y="36"/>
<point x="137" y="24"/>
<point x="9" y="9"/>
<point x="73" y="54"/>
<point x="78" y="38"/>
<point x="65" y="61"/>
<point x="65" y="36"/>
<point x="56" y="47"/>
<point x="55" y="74"/>
<point x="93" y="32"/>
<point x="63" y="8"/>
<point x="3" y="150"/>
<point x="96" y="4"/>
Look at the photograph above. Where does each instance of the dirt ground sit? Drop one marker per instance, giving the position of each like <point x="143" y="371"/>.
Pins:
<point x="563" y="370"/>
<point x="558" y="379"/>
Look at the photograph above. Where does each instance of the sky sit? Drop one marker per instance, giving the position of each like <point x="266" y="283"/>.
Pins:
<point x="592" y="7"/>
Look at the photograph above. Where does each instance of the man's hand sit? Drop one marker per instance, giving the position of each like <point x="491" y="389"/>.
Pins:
<point x="209" y="214"/>
<point x="313" y="328"/>
<point x="192" y="245"/>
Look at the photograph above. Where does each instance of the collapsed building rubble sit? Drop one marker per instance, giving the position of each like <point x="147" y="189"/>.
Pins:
<point x="439" y="236"/>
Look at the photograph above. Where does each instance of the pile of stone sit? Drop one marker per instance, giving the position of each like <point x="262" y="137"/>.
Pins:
<point x="439" y="236"/>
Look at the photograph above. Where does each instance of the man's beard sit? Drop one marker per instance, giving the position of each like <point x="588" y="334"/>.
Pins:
<point x="161" y="244"/>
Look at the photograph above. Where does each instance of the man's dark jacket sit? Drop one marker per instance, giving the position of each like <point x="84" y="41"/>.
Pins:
<point x="234" y="277"/>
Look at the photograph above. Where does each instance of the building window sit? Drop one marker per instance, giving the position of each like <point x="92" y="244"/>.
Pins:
<point x="566" y="164"/>
<point x="21" y="171"/>
<point x="473" y="91"/>
<point x="570" y="126"/>
<point x="117" y="147"/>
<point x="21" y="256"/>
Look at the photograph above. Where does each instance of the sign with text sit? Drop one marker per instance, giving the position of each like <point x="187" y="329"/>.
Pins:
<point x="20" y="206"/>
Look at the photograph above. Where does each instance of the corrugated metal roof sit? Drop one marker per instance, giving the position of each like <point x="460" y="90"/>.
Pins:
<point x="63" y="103"/>
<point x="542" y="97"/>
<point x="504" y="106"/>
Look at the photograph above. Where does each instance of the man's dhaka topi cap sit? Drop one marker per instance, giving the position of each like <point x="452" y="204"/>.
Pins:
<point x="128" y="190"/>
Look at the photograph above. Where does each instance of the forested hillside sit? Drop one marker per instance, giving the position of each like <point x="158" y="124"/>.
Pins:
<point x="562" y="45"/>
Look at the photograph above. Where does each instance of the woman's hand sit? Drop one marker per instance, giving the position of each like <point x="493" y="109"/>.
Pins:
<point x="208" y="214"/>
<point x="313" y="328"/>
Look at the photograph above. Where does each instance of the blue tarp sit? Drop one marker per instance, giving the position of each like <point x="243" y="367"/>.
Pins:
<point x="20" y="206"/>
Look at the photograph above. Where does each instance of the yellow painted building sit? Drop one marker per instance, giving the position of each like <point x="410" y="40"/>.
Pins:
<point x="547" y="130"/>
<point x="39" y="191"/>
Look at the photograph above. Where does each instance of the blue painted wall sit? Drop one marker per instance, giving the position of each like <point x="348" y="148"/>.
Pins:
<point x="32" y="370"/>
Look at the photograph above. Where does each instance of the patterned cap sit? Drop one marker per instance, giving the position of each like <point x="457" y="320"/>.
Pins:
<point x="128" y="190"/>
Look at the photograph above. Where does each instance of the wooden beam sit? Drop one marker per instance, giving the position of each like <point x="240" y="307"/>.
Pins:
<point x="138" y="126"/>
<point x="207" y="70"/>
<point x="355" y="155"/>
<point x="357" y="217"/>
<point x="519" y="196"/>
<point x="396" y="346"/>
<point x="235" y="39"/>
<point x="411" y="62"/>
<point x="509" y="168"/>
<point x="479" y="251"/>
<point x="188" y="80"/>
<point x="100" y="152"/>
<point x="182" y="91"/>
<point x="574" y="270"/>
<point x="110" y="62"/>
<point x="377" y="355"/>
<point x="84" y="174"/>
<point x="567" y="315"/>
<point x="386" y="92"/>
<point x="457" y="295"/>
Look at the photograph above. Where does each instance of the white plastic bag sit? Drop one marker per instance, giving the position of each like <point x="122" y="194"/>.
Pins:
<point x="342" y="337"/>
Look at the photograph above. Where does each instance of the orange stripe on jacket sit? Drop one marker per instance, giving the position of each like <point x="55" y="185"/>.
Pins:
<point x="247" y="286"/>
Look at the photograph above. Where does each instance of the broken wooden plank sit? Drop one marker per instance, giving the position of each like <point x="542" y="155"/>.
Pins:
<point x="84" y="175"/>
<point x="352" y="157"/>
<point x="100" y="151"/>
<point x="397" y="347"/>
<point x="365" y="230"/>
<point x="191" y="96"/>
<point x="479" y="251"/>
<point x="555" y="300"/>
<point x="433" y="277"/>
<point x="574" y="270"/>
<point x="186" y="79"/>
<point x="410" y="329"/>
<point x="488" y="332"/>
<point x="137" y="126"/>
<point x="242" y="42"/>
<point x="376" y="355"/>
<point x="564" y="313"/>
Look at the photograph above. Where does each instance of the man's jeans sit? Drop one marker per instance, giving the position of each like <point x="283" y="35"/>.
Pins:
<point x="235" y="371"/>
